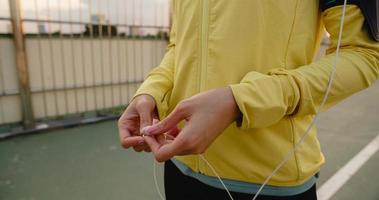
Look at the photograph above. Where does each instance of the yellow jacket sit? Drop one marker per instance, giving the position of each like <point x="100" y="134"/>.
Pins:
<point x="263" y="50"/>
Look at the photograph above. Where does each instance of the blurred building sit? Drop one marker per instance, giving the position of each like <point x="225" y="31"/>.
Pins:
<point x="98" y="19"/>
<point x="42" y="28"/>
<point x="100" y="26"/>
<point x="136" y="30"/>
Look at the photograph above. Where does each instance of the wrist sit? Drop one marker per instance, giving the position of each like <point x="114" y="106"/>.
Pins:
<point x="236" y="114"/>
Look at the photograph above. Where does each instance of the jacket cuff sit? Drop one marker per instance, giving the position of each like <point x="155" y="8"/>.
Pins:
<point x="265" y="99"/>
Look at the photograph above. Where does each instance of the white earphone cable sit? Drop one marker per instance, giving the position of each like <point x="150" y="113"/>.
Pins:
<point x="330" y="83"/>
<point x="218" y="177"/>
<point x="156" y="181"/>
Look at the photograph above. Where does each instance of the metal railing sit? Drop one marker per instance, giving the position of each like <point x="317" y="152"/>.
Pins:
<point x="87" y="61"/>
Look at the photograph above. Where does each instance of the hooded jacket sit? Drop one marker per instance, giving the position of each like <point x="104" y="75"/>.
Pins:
<point x="264" y="51"/>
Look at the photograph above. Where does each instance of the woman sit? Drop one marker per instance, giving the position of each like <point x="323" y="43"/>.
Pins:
<point x="241" y="75"/>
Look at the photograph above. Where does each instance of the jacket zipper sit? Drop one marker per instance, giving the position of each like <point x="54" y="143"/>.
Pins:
<point x="204" y="52"/>
<point x="204" y="44"/>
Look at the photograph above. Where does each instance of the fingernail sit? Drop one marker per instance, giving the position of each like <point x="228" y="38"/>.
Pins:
<point x="145" y="131"/>
<point x="141" y="142"/>
<point x="150" y="130"/>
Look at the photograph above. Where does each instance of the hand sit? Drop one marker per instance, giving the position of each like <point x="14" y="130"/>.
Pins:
<point x="139" y="114"/>
<point x="206" y="115"/>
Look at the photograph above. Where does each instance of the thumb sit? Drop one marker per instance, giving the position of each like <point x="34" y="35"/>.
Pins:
<point x="169" y="123"/>
<point x="146" y="118"/>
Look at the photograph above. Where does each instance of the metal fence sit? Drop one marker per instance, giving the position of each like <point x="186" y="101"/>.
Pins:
<point x="84" y="59"/>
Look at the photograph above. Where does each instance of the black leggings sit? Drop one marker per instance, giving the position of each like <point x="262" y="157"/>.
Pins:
<point x="181" y="187"/>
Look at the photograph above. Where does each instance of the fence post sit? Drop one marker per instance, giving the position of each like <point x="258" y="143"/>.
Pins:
<point x="21" y="64"/>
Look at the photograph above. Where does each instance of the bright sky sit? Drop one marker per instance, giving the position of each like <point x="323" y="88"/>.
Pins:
<point x="138" y="12"/>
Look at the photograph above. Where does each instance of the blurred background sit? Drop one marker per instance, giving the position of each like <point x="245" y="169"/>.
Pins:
<point x="78" y="62"/>
<point x="81" y="59"/>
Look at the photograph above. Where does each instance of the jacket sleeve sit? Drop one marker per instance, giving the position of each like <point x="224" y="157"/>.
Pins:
<point x="264" y="99"/>
<point x="159" y="81"/>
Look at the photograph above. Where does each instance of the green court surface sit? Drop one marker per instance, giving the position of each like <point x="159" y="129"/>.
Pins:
<point x="86" y="162"/>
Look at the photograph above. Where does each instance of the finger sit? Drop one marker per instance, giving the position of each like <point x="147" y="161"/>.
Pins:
<point x="143" y="130"/>
<point x="183" y="144"/>
<point x="145" y="119"/>
<point x="123" y="132"/>
<point x="164" y="139"/>
<point x="172" y="133"/>
<point x="146" y="148"/>
<point x="161" y="139"/>
<point x="138" y="148"/>
<point x="152" y="142"/>
<point x="170" y="148"/>
<point x="179" y="114"/>
<point x="131" y="141"/>
<point x="169" y="137"/>
<point x="167" y="151"/>
<point x="143" y="147"/>
<point x="145" y="112"/>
